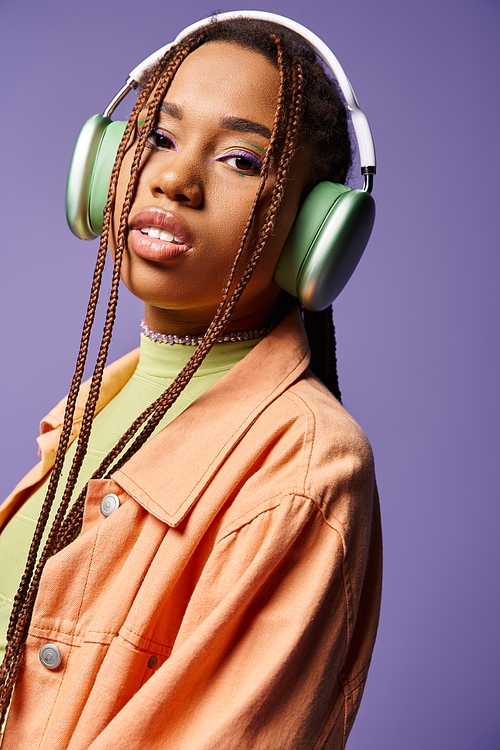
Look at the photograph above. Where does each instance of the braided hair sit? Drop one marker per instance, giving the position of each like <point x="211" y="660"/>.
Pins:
<point x="309" y="110"/>
<point x="324" y="132"/>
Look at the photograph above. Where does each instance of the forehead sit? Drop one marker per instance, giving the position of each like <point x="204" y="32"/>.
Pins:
<point x="229" y="79"/>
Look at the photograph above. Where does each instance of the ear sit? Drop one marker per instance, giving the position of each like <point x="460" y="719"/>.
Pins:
<point x="89" y="175"/>
<point x="325" y="244"/>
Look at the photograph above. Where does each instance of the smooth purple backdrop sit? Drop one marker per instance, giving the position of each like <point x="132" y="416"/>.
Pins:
<point x="417" y="326"/>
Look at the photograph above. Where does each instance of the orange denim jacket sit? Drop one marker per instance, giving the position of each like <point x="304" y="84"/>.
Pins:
<point x="231" y="601"/>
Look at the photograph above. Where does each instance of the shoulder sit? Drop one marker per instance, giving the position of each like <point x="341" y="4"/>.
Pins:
<point x="309" y="445"/>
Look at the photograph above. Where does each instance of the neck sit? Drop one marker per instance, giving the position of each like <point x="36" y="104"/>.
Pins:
<point x="196" y="322"/>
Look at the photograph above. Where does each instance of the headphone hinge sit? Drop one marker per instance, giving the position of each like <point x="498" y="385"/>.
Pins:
<point x="368" y="184"/>
<point x="118" y="98"/>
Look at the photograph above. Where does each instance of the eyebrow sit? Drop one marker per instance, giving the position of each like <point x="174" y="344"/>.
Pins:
<point x="245" y="126"/>
<point x="169" y="108"/>
<point x="238" y="124"/>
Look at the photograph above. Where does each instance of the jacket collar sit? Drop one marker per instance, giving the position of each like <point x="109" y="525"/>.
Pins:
<point x="202" y="436"/>
<point x="115" y="377"/>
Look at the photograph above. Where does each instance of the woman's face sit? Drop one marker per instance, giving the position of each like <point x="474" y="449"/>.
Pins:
<point x="198" y="180"/>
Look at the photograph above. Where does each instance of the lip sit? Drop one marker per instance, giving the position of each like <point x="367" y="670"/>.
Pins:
<point x="156" y="249"/>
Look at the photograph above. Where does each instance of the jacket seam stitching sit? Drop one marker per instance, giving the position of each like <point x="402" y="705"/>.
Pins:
<point x="309" y="417"/>
<point x="141" y="637"/>
<point x="280" y="499"/>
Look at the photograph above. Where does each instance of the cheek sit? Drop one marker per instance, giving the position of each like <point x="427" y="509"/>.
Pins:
<point x="227" y="212"/>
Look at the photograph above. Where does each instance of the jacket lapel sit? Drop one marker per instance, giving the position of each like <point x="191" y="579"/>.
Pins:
<point x="191" y="448"/>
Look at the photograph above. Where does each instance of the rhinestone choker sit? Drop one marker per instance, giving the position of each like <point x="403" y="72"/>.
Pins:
<point x="172" y="338"/>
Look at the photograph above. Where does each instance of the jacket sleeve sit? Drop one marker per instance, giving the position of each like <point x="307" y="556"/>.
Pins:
<point x="275" y="641"/>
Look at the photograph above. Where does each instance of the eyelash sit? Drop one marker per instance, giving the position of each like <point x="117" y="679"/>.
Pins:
<point x="256" y="163"/>
<point x="156" y="133"/>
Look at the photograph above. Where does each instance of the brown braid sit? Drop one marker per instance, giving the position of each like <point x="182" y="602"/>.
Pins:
<point x="220" y="321"/>
<point x="68" y="417"/>
<point x="64" y="528"/>
<point x="321" y="334"/>
<point x="25" y="597"/>
<point x="324" y="134"/>
<point x="69" y="411"/>
<point x="155" y="412"/>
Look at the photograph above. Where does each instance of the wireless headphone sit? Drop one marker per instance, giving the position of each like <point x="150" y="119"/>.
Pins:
<point x="332" y="227"/>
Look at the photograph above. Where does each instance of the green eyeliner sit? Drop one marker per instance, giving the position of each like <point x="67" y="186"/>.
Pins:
<point x="254" y="145"/>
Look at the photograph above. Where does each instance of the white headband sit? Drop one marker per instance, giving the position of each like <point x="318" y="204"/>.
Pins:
<point x="359" y="121"/>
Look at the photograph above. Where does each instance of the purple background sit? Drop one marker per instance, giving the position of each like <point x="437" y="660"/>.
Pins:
<point x="417" y="325"/>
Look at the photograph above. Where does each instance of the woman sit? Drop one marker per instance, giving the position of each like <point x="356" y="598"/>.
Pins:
<point x="217" y="585"/>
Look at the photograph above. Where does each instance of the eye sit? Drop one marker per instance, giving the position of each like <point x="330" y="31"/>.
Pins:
<point x="243" y="163"/>
<point x="158" y="140"/>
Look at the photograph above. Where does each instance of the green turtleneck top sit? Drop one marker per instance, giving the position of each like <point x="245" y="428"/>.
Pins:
<point x="158" y="366"/>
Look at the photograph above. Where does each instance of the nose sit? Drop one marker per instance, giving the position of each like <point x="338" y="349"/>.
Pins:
<point x="178" y="178"/>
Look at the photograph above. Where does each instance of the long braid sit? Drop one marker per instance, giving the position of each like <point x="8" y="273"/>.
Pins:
<point x="73" y="392"/>
<point x="223" y="315"/>
<point x="321" y="334"/>
<point x="155" y="412"/>
<point x="25" y="597"/>
<point x="218" y="325"/>
<point x="292" y="135"/>
<point x="66" y="523"/>
<point x="90" y="405"/>
<point x="63" y="529"/>
<point x="68" y="417"/>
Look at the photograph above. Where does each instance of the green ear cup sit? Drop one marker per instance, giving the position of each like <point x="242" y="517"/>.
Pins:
<point x="325" y="244"/>
<point x="102" y="173"/>
<point x="80" y="176"/>
<point x="89" y="173"/>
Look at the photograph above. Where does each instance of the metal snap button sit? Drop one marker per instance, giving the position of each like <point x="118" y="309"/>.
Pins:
<point x="109" y="504"/>
<point x="50" y="656"/>
<point x="153" y="661"/>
